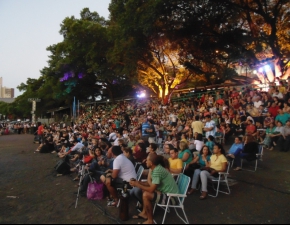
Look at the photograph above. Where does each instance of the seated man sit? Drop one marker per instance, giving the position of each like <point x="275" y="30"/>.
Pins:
<point x="175" y="164"/>
<point x="123" y="170"/>
<point x="162" y="183"/>
<point x="235" y="147"/>
<point x="284" y="141"/>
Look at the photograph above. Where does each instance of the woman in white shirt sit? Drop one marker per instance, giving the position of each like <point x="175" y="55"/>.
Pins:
<point x="198" y="143"/>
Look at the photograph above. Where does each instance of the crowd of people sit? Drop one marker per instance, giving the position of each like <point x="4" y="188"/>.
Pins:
<point x="186" y="137"/>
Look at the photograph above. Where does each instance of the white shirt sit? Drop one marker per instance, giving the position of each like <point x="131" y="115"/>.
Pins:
<point x="125" y="167"/>
<point x="173" y="118"/>
<point x="77" y="147"/>
<point x="112" y="136"/>
<point x="210" y="124"/>
<point x="258" y="104"/>
<point x="198" y="145"/>
<point x="116" y="142"/>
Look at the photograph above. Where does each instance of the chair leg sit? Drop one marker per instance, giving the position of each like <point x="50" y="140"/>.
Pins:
<point x="165" y="213"/>
<point x="256" y="166"/>
<point x="185" y="220"/>
<point x="216" y="189"/>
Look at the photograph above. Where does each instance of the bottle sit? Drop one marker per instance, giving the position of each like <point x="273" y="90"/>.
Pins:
<point x="124" y="203"/>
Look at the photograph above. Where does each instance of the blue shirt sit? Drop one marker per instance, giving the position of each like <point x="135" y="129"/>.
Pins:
<point x="235" y="147"/>
<point x="201" y="162"/>
<point x="210" y="145"/>
<point x="144" y="127"/>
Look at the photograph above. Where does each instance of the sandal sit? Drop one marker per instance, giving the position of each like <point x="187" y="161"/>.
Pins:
<point x="76" y="179"/>
<point x="112" y="204"/>
<point x="191" y="191"/>
<point x="136" y="217"/>
<point x="238" y="169"/>
<point x="203" y="195"/>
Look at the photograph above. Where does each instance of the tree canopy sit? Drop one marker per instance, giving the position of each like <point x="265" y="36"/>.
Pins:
<point x="162" y="45"/>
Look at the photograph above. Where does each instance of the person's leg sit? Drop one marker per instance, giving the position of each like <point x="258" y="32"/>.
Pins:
<point x="147" y="201"/>
<point x="195" y="179"/>
<point x="281" y="144"/>
<point x="137" y="193"/>
<point x="287" y="144"/>
<point x="204" y="175"/>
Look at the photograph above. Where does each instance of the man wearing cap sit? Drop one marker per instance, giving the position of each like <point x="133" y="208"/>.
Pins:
<point x="284" y="141"/>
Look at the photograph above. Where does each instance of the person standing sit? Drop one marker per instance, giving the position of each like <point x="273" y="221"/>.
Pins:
<point x="145" y="126"/>
<point x="210" y="127"/>
<point x="197" y="126"/>
<point x="40" y="131"/>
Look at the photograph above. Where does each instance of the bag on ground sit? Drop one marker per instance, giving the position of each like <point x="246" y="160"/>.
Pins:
<point x="95" y="191"/>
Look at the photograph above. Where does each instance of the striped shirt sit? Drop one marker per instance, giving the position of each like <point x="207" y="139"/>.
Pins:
<point x="164" y="180"/>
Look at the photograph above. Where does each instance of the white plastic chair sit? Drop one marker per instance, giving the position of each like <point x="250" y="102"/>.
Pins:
<point x="259" y="157"/>
<point x="222" y="178"/>
<point x="182" y="183"/>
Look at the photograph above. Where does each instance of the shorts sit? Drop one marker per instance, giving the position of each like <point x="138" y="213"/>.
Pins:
<point x="161" y="198"/>
<point x="117" y="183"/>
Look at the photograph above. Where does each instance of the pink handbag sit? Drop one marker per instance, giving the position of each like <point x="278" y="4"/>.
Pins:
<point x="95" y="191"/>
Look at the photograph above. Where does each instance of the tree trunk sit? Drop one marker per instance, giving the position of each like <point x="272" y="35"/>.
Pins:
<point x="165" y="95"/>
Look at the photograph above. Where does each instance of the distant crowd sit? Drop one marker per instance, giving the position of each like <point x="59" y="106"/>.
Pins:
<point x="171" y="139"/>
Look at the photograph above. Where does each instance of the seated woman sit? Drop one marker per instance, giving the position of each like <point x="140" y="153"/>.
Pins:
<point x="198" y="143"/>
<point x="139" y="153"/>
<point x="199" y="161"/>
<point x="251" y="148"/>
<point x="210" y="143"/>
<point x="268" y="140"/>
<point x="184" y="153"/>
<point x="277" y="133"/>
<point x="217" y="163"/>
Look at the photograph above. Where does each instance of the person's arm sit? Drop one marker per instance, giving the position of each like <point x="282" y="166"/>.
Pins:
<point x="115" y="174"/>
<point x="224" y="168"/>
<point x="175" y="171"/>
<point x="151" y="188"/>
<point x="185" y="157"/>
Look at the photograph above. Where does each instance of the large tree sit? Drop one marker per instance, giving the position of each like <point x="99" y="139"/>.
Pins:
<point x="229" y="32"/>
<point x="80" y="60"/>
<point x="146" y="55"/>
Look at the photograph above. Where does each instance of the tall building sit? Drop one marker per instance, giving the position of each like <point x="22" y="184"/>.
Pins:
<point x="4" y="91"/>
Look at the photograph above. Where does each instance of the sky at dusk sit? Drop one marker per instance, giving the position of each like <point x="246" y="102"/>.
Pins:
<point x="28" y="27"/>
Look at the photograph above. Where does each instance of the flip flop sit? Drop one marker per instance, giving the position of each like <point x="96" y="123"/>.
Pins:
<point x="136" y="217"/>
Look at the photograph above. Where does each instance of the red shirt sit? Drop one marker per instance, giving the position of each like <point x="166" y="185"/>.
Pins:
<point x="274" y="111"/>
<point x="40" y="130"/>
<point x="251" y="129"/>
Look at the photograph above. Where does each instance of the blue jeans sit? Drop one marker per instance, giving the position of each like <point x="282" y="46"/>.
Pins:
<point x="137" y="193"/>
<point x="238" y="157"/>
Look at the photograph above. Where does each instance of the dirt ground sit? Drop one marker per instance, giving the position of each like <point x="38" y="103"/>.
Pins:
<point x="41" y="197"/>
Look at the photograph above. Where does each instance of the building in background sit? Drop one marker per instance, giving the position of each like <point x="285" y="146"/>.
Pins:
<point x="5" y="92"/>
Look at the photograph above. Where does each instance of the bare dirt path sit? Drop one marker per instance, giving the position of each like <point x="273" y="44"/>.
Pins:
<point x="262" y="197"/>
